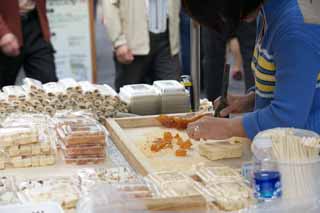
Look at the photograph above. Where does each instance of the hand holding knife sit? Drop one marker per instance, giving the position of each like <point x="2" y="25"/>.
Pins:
<point x="224" y="95"/>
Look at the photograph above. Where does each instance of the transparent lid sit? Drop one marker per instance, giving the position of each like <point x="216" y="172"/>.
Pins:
<point x="139" y="90"/>
<point x="169" y="86"/>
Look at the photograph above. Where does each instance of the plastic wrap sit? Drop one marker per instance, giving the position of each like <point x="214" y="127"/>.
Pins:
<point x="229" y="196"/>
<point x="88" y="89"/>
<point x="57" y="189"/>
<point x="116" y="175"/>
<point x="173" y="185"/>
<point x="82" y="134"/>
<point x="14" y="93"/>
<point x="33" y="87"/>
<point x="7" y="193"/>
<point x="48" y="207"/>
<point x="70" y="85"/>
<point x="16" y="136"/>
<point x="165" y="177"/>
<point x="33" y="145"/>
<point x="54" y="89"/>
<point x="107" y="198"/>
<point x="217" y="173"/>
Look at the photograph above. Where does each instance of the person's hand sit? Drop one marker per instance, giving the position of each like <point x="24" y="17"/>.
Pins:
<point x="9" y="45"/>
<point x="237" y="104"/>
<point x="124" y="54"/>
<point x="210" y="128"/>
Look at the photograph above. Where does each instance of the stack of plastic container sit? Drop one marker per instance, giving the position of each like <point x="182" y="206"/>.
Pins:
<point x="174" y="97"/>
<point x="142" y="99"/>
<point x="82" y="141"/>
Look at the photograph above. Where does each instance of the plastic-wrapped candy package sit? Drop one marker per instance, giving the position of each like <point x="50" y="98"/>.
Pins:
<point x="70" y="85"/>
<point x="115" y="175"/>
<point x="62" y="190"/>
<point x="77" y="134"/>
<point x="229" y="196"/>
<point x="33" y="87"/>
<point x="164" y="177"/>
<point x="7" y="193"/>
<point x="28" y="140"/>
<point x="217" y="173"/>
<point x="14" y="93"/>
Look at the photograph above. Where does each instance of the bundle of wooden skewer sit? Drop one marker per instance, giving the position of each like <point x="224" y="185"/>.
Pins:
<point x="35" y="97"/>
<point x="298" y="162"/>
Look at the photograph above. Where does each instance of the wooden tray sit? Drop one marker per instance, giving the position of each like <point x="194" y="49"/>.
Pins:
<point x="129" y="133"/>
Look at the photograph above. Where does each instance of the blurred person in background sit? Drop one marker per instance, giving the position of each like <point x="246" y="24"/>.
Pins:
<point x="185" y="42"/>
<point x="241" y="47"/>
<point x="25" y="41"/>
<point x="146" y="39"/>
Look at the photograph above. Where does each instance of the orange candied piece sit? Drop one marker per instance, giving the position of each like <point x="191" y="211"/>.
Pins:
<point x="177" y="136"/>
<point x="163" y="144"/>
<point x="181" y="153"/>
<point x="186" y="145"/>
<point x="167" y="121"/>
<point x="180" y="123"/>
<point x="155" y="148"/>
<point x="180" y="141"/>
<point x="167" y="137"/>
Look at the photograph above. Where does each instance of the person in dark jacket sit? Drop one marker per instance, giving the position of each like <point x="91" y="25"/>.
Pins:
<point x="25" y="41"/>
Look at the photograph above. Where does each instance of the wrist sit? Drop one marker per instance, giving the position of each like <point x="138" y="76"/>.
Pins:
<point x="236" y="128"/>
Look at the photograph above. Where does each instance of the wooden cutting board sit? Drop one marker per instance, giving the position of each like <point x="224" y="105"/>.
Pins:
<point x="131" y="135"/>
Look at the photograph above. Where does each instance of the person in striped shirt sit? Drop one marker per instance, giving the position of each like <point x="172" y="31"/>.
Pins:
<point x="286" y="63"/>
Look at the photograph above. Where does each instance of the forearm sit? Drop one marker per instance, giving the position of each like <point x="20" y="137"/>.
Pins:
<point x="237" y="128"/>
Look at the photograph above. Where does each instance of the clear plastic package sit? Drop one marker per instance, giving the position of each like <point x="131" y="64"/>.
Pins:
<point x="7" y="192"/>
<point x="179" y="189"/>
<point x="79" y="160"/>
<point x="165" y="177"/>
<point x="48" y="207"/>
<point x="41" y="151"/>
<point x="84" y="150"/>
<point x="57" y="189"/>
<point x="136" y="191"/>
<point x="117" y="175"/>
<point x="169" y="87"/>
<point x="82" y="134"/>
<point x="210" y="174"/>
<point x="229" y="196"/>
<point x="3" y="157"/>
<point x="33" y="86"/>
<point x="14" y="93"/>
<point x="16" y="136"/>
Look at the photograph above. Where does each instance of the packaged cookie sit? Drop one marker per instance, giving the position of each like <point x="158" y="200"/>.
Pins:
<point x="117" y="175"/>
<point x="62" y="190"/>
<point x="210" y="174"/>
<point x="179" y="189"/>
<point x="79" y="160"/>
<point x="7" y="192"/>
<point x="85" y="150"/>
<point x="230" y="196"/>
<point x="82" y="135"/>
<point x="161" y="178"/>
<point x="18" y="136"/>
<point x="137" y="191"/>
